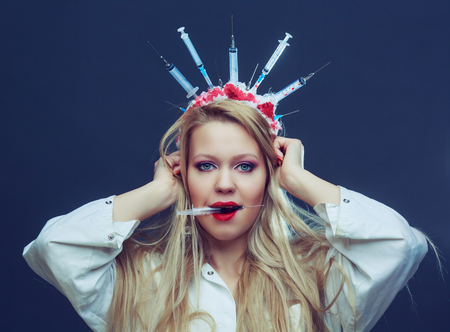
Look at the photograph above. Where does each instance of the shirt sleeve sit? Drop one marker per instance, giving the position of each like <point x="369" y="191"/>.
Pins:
<point x="378" y="250"/>
<point x="76" y="252"/>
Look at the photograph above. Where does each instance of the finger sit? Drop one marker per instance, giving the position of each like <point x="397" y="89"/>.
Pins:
<point x="303" y="156"/>
<point x="156" y="164"/>
<point x="173" y="160"/>
<point x="279" y="145"/>
<point x="176" y="153"/>
<point x="291" y="149"/>
<point x="295" y="152"/>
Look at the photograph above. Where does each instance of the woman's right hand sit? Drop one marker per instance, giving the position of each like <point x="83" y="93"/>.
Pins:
<point x="153" y="197"/>
<point x="164" y="176"/>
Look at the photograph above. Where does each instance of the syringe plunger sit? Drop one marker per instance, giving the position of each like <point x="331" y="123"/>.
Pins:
<point x="195" y="56"/>
<point x="190" y="47"/>
<point x="273" y="59"/>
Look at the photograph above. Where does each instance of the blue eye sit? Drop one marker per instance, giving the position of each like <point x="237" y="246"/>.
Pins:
<point x="246" y="167"/>
<point x="205" y="167"/>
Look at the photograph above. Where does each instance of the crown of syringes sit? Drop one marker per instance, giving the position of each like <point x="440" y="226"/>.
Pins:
<point x="265" y="104"/>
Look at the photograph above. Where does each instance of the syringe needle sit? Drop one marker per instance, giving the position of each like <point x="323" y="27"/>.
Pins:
<point x="251" y="78"/>
<point x="232" y="25"/>
<point x="158" y="53"/>
<point x="178" y="76"/>
<point x="281" y="115"/>
<point x="322" y="67"/>
<point x="181" y="108"/>
<point x="312" y="74"/>
<point x="218" y="74"/>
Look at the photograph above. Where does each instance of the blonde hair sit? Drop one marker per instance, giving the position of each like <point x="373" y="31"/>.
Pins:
<point x="279" y="270"/>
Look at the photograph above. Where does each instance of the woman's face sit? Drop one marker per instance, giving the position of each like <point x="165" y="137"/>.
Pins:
<point x="226" y="167"/>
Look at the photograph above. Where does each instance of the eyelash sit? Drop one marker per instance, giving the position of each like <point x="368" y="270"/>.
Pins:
<point x="201" y="169"/>
<point x="249" y="165"/>
<point x="201" y="165"/>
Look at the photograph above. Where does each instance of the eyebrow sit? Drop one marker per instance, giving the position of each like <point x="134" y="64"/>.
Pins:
<point x="237" y="157"/>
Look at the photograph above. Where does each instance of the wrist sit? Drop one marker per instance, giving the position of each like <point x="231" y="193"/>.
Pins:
<point x="144" y="202"/>
<point x="311" y="189"/>
<point x="295" y="183"/>
<point x="163" y="194"/>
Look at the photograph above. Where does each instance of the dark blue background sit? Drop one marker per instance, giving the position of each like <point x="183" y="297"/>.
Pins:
<point x="83" y="108"/>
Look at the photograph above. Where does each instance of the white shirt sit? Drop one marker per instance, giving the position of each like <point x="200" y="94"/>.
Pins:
<point x="373" y="243"/>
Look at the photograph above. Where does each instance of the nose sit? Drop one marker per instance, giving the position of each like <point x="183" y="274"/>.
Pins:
<point x="225" y="183"/>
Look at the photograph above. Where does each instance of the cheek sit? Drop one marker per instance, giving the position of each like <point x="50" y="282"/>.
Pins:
<point x="195" y="187"/>
<point x="256" y="187"/>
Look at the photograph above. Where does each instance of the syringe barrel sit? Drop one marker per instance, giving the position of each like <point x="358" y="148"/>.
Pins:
<point x="195" y="56"/>
<point x="294" y="86"/>
<point x="234" y="74"/>
<point x="199" y="211"/>
<point x="182" y="80"/>
<point x="273" y="59"/>
<point x="190" y="46"/>
<point x="193" y="52"/>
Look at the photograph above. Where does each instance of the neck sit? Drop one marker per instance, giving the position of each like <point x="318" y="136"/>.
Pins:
<point x="227" y="256"/>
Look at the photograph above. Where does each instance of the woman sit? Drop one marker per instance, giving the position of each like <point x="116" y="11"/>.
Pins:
<point x="267" y="267"/>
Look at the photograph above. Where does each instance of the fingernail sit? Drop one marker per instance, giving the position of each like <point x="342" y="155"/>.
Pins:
<point x="280" y="160"/>
<point x="177" y="172"/>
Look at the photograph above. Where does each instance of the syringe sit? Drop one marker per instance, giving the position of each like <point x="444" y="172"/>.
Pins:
<point x="210" y="210"/>
<point x="194" y="54"/>
<point x="233" y="56"/>
<point x="273" y="59"/>
<point x="178" y="76"/>
<point x="294" y="86"/>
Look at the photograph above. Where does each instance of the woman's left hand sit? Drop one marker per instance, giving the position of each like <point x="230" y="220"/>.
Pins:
<point x="296" y="180"/>
<point x="290" y="154"/>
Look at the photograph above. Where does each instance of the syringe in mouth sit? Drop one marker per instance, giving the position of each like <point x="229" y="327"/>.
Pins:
<point x="210" y="210"/>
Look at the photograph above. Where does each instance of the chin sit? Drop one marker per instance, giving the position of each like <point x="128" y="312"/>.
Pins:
<point x="226" y="236"/>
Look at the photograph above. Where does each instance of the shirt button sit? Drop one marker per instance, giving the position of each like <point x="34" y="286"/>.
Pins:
<point x="108" y="202"/>
<point x="111" y="237"/>
<point x="210" y="273"/>
<point x="346" y="200"/>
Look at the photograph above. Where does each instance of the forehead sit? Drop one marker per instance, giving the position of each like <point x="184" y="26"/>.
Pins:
<point x="222" y="138"/>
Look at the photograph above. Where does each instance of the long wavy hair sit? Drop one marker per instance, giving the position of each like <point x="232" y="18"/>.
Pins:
<point x="285" y="263"/>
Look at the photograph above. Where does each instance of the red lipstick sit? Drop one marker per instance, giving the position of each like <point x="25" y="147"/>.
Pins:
<point x="224" y="216"/>
<point x="222" y="204"/>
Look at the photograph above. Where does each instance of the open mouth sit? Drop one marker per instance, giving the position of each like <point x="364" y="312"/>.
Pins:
<point x="228" y="210"/>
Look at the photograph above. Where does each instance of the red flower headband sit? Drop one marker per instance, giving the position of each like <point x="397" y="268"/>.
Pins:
<point x="263" y="104"/>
